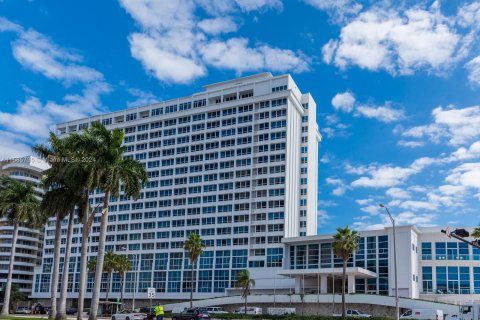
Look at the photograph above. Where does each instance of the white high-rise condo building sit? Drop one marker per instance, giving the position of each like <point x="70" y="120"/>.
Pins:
<point x="28" y="251"/>
<point x="235" y="163"/>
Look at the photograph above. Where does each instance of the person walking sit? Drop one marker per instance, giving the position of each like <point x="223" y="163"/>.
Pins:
<point x="159" y="312"/>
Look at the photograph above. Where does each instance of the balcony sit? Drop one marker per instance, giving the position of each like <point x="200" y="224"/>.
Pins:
<point x="451" y="257"/>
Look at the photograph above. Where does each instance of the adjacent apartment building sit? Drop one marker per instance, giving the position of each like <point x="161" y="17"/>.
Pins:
<point x="431" y="266"/>
<point x="28" y="251"/>
<point x="236" y="163"/>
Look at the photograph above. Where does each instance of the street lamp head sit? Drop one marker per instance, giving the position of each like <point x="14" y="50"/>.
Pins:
<point x="382" y="205"/>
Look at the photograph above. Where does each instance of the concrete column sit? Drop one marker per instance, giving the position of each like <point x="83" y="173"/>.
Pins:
<point x="323" y="284"/>
<point x="351" y="283"/>
<point x="298" y="284"/>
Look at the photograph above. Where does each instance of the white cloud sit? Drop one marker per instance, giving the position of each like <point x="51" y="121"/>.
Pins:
<point x="466" y="153"/>
<point x="383" y="113"/>
<point x="466" y="175"/>
<point x="347" y="103"/>
<point x="398" y="193"/>
<point x="417" y="205"/>
<point x="341" y="187"/>
<point x="387" y="175"/>
<point x="253" y="5"/>
<point x="13" y="145"/>
<point x="473" y="67"/>
<point x="323" y="216"/>
<point x="235" y="54"/>
<point x="344" y="101"/>
<point x="33" y="118"/>
<point x="380" y="39"/>
<point x="457" y="126"/>
<point x="163" y="63"/>
<point x="411" y="144"/>
<point x="338" y="10"/>
<point x="371" y="209"/>
<point x="216" y="26"/>
<point x="469" y="15"/>
<point x="142" y="97"/>
<point x="38" y="53"/>
<point x="175" y="46"/>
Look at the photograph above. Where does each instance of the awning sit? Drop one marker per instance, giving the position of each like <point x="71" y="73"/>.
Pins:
<point x="336" y="272"/>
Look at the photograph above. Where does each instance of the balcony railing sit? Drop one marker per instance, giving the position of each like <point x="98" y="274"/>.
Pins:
<point x="452" y="291"/>
<point x="450" y="257"/>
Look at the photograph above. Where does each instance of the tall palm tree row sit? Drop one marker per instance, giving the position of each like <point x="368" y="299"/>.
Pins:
<point x="108" y="171"/>
<point x="94" y="162"/>
<point x="345" y="244"/>
<point x="20" y="206"/>
<point x="194" y="248"/>
<point x="246" y="283"/>
<point x="63" y="185"/>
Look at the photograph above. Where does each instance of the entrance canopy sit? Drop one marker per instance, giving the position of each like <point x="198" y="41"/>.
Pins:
<point x="317" y="280"/>
<point x="356" y="272"/>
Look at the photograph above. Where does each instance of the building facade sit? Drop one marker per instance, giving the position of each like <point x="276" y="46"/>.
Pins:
<point x="236" y="163"/>
<point x="28" y="251"/>
<point x="431" y="266"/>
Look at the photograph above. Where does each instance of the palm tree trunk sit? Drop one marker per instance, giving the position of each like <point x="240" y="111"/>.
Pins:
<point x="8" y="285"/>
<point x="109" y="276"/>
<point x="87" y="217"/>
<point x="344" y="276"/>
<point x="62" y="307"/>
<point x="100" y="258"/>
<point x="246" y="297"/>
<point x="121" y="289"/>
<point x="191" y="290"/>
<point x="56" y="267"/>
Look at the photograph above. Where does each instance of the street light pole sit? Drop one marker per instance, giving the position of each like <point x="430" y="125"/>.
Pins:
<point x="397" y="305"/>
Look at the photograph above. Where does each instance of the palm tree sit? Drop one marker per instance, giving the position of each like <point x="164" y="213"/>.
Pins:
<point x="246" y="283"/>
<point x="108" y="170"/>
<point x="476" y="233"/>
<point x="345" y="243"/>
<point x="194" y="248"/>
<point x="59" y="201"/>
<point x="63" y="183"/>
<point x="19" y="204"/>
<point x="109" y="265"/>
<point x="122" y="265"/>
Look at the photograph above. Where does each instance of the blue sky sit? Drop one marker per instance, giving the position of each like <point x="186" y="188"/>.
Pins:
<point x="397" y="85"/>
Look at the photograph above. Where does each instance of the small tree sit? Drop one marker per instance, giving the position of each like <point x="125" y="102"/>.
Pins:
<point x="122" y="265"/>
<point x="109" y="265"/>
<point x="194" y="248"/>
<point x="345" y="243"/>
<point x="246" y="283"/>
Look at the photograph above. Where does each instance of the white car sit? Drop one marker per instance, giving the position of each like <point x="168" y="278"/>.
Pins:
<point x="354" y="313"/>
<point x="217" y="310"/>
<point x="23" y="310"/>
<point x="128" y="315"/>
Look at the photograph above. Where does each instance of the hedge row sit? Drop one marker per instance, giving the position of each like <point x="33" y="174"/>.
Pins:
<point x="286" y="317"/>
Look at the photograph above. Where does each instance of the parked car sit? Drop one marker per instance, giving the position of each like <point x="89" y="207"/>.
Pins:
<point x="423" y="314"/>
<point x="250" y="310"/>
<point x="128" y="315"/>
<point x="192" y="314"/>
<point x="71" y="311"/>
<point x="354" y="313"/>
<point x="23" y="310"/>
<point x="217" y="310"/>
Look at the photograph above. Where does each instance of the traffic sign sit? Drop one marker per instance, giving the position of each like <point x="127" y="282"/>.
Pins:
<point x="151" y="292"/>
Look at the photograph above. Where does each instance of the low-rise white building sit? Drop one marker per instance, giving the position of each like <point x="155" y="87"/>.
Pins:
<point x="431" y="266"/>
<point x="28" y="251"/>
